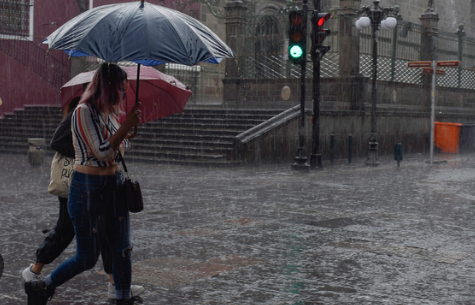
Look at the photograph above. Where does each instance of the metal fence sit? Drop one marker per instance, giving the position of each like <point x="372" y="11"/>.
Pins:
<point x="265" y="52"/>
<point x="395" y="48"/>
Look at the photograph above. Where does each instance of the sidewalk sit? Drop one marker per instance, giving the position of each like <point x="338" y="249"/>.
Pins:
<point x="270" y="235"/>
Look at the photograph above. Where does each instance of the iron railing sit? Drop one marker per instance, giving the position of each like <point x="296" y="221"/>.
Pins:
<point x="36" y="59"/>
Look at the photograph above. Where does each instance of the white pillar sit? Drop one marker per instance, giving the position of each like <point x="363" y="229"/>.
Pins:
<point x="31" y="20"/>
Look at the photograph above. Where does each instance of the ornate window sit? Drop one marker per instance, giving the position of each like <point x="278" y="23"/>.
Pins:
<point x="268" y="47"/>
<point x="16" y="19"/>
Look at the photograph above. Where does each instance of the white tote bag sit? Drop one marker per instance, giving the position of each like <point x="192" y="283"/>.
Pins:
<point x="61" y="174"/>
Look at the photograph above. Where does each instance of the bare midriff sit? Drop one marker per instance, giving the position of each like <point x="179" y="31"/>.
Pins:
<point x="93" y="170"/>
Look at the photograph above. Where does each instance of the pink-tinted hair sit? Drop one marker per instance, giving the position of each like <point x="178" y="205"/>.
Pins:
<point x="104" y="89"/>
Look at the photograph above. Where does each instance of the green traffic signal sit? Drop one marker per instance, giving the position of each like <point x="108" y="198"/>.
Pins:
<point x="295" y="52"/>
<point x="297" y="36"/>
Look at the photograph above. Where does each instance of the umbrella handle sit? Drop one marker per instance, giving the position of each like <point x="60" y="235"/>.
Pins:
<point x="132" y="135"/>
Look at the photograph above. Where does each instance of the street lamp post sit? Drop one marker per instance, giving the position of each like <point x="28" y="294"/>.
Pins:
<point x="375" y="17"/>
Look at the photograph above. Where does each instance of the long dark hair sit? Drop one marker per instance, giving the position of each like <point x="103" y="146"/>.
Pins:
<point x="105" y="89"/>
<point x="71" y="106"/>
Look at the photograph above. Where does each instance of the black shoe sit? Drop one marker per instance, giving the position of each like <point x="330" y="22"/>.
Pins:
<point x="38" y="293"/>
<point x="125" y="302"/>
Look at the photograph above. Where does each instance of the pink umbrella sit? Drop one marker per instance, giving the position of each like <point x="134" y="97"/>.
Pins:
<point x="160" y="94"/>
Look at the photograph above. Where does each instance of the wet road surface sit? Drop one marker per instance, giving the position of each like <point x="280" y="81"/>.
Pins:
<point x="269" y="235"/>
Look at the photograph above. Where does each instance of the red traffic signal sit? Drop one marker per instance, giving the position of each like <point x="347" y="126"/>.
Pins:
<point x="319" y="19"/>
<point x="322" y="18"/>
<point x="319" y="34"/>
<point x="297" y="30"/>
<point x="296" y="17"/>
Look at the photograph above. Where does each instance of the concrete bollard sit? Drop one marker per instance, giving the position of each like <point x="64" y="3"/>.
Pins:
<point x="36" y="151"/>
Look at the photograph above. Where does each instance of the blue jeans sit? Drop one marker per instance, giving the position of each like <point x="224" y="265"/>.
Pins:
<point x="61" y="236"/>
<point x="99" y="217"/>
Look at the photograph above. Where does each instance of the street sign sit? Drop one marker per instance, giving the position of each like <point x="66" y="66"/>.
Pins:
<point x="421" y="64"/>
<point x="418" y="64"/>
<point x="448" y="63"/>
<point x="431" y="71"/>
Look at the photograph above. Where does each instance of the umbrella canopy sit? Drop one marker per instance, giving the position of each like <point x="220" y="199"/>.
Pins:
<point x="160" y="94"/>
<point x="142" y="32"/>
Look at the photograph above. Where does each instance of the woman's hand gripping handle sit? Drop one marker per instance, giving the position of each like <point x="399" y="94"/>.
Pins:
<point x="131" y="121"/>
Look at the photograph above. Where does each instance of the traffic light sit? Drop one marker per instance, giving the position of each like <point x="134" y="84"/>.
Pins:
<point x="319" y="34"/>
<point x="297" y="36"/>
<point x="322" y="18"/>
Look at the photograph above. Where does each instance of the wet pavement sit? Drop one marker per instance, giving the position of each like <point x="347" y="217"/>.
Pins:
<point x="270" y="235"/>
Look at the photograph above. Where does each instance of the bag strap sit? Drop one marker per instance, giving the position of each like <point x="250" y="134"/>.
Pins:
<point x="123" y="164"/>
<point x="120" y="154"/>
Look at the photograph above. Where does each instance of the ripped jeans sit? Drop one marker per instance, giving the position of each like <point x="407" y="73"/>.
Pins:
<point x="99" y="218"/>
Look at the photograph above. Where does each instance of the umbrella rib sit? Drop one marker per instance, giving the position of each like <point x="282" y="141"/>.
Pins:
<point x="115" y="6"/>
<point x="186" y="17"/>
<point x="81" y="17"/>
<point x="173" y="25"/>
<point x="192" y="26"/>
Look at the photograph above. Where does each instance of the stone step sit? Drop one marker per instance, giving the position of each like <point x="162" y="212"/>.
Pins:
<point x="222" y="117"/>
<point x="210" y="121"/>
<point x="29" y="124"/>
<point x="181" y="131"/>
<point x="182" y="149"/>
<point x="175" y="155"/>
<point x="195" y="125"/>
<point x="157" y="125"/>
<point x="194" y="143"/>
<point x="23" y="135"/>
<point x="196" y="136"/>
<point x="191" y="137"/>
<point x="19" y="139"/>
<point x="27" y="129"/>
<point x="207" y="163"/>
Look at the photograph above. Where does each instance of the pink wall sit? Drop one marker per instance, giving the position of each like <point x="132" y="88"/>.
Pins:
<point x="20" y="86"/>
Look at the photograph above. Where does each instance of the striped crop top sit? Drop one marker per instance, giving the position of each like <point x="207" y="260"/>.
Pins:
<point x="91" y="137"/>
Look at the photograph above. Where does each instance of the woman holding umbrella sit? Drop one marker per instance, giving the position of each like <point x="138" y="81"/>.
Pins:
<point x="94" y="207"/>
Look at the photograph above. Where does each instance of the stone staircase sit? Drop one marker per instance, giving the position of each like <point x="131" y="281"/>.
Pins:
<point x="196" y="136"/>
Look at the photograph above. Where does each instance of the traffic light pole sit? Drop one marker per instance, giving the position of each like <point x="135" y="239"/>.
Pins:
<point x="315" y="157"/>
<point x="301" y="158"/>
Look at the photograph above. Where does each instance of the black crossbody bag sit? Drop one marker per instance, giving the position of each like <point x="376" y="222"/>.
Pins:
<point x="130" y="191"/>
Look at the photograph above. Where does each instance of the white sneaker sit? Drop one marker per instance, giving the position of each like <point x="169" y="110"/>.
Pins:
<point x="135" y="290"/>
<point x="28" y="275"/>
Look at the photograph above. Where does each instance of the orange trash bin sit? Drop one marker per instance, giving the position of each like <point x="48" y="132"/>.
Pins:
<point x="447" y="136"/>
